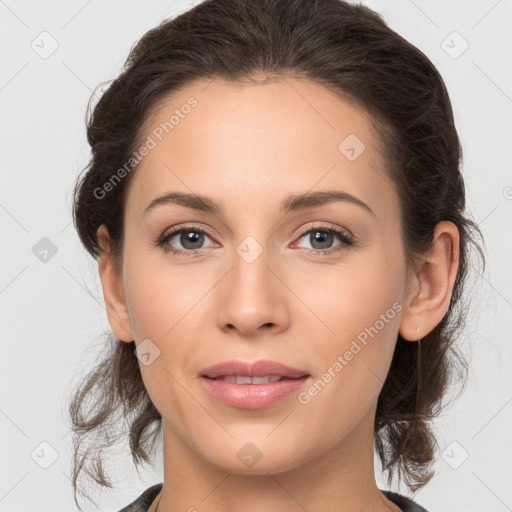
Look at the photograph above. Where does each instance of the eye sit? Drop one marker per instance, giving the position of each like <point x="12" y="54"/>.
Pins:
<point x="191" y="239"/>
<point x="321" y="239"/>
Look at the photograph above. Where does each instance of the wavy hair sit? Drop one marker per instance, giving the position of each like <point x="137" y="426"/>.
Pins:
<point x="350" y="50"/>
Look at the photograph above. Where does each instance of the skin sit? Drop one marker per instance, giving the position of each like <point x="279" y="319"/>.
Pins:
<point x="249" y="147"/>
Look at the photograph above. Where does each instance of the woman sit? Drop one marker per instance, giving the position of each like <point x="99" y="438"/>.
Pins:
<point x="275" y="202"/>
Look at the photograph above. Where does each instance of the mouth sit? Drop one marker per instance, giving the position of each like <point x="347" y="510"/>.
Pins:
<point x="245" y="379"/>
<point x="252" y="385"/>
<point x="265" y="369"/>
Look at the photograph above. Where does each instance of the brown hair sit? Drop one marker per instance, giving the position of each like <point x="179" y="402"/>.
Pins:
<point x="350" y="50"/>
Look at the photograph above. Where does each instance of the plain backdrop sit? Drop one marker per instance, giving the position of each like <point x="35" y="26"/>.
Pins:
<point x="52" y="307"/>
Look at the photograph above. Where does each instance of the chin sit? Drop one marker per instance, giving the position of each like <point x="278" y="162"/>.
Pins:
<point x="256" y="456"/>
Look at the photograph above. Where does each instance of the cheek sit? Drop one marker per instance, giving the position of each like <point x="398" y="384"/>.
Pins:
<point x="360" y="313"/>
<point x="161" y="310"/>
<point x="157" y="297"/>
<point x="166" y="306"/>
<point x="352" y="297"/>
<point x="149" y="309"/>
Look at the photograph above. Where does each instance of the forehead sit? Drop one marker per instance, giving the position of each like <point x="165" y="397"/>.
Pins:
<point x="248" y="143"/>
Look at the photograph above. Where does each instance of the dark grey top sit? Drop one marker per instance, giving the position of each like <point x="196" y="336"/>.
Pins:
<point x="143" y="502"/>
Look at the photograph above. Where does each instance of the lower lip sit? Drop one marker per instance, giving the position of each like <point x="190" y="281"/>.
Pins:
<point x="252" y="396"/>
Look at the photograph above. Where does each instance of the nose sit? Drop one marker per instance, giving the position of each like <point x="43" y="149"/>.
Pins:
<point x="252" y="298"/>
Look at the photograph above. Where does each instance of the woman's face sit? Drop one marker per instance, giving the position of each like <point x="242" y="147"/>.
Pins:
<point x="264" y="277"/>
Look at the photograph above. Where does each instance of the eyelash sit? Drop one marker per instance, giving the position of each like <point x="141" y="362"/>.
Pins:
<point x="346" y="239"/>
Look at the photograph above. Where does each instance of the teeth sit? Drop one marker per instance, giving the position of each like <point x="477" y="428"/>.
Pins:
<point x="250" y="380"/>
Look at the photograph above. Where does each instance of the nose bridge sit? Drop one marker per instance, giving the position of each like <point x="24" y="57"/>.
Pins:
<point x="250" y="296"/>
<point x="250" y="274"/>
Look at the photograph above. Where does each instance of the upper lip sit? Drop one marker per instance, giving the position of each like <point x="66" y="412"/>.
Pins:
<point x="259" y="368"/>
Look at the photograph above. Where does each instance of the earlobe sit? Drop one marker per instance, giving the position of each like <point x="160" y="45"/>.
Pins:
<point x="112" y="285"/>
<point x="431" y="285"/>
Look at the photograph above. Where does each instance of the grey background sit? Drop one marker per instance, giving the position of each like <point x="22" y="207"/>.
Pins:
<point x="52" y="311"/>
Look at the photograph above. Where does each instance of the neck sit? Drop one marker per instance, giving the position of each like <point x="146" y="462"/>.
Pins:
<point x="339" y="480"/>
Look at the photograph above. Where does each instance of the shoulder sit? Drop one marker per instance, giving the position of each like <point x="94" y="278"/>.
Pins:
<point x="143" y="502"/>
<point x="405" y="503"/>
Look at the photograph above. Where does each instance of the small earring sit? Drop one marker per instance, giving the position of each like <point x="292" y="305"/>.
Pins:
<point x="417" y="329"/>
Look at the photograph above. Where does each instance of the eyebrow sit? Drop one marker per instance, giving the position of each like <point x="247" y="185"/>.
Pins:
<point x="290" y="204"/>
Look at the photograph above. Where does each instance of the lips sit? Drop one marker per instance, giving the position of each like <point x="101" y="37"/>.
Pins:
<point x="255" y="385"/>
<point x="253" y="370"/>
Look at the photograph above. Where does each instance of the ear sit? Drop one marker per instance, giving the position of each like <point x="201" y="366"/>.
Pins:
<point x="113" y="293"/>
<point x="430" y="285"/>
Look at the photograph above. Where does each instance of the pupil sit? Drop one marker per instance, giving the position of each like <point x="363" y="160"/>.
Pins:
<point x="320" y="236"/>
<point x="190" y="237"/>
